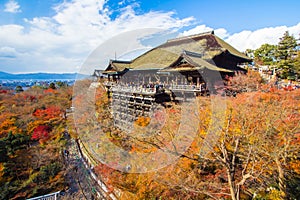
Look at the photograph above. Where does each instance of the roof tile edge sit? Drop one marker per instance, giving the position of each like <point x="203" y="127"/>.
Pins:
<point x="190" y="36"/>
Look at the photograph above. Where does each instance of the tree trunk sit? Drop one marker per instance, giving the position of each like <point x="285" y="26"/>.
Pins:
<point x="231" y="185"/>
<point x="281" y="179"/>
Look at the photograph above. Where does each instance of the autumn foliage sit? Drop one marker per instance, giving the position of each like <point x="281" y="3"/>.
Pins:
<point x="41" y="133"/>
<point x="48" y="113"/>
<point x="32" y="123"/>
<point x="241" y="82"/>
<point x="142" y="121"/>
<point x="254" y="154"/>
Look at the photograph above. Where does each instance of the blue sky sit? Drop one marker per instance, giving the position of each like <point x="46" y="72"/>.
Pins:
<point x="234" y="15"/>
<point x="57" y="36"/>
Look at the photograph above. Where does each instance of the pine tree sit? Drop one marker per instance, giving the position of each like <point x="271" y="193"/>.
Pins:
<point x="19" y="89"/>
<point x="265" y="55"/>
<point x="52" y="86"/>
<point x="297" y="65"/>
<point x="285" y="54"/>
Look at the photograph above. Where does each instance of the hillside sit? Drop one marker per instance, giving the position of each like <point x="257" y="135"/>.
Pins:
<point x="39" y="76"/>
<point x="31" y="141"/>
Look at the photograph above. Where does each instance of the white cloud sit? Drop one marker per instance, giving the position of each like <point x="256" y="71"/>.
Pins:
<point x="198" y="29"/>
<point x="12" y="6"/>
<point x="120" y="3"/>
<point x="221" y="32"/>
<point x="254" y="39"/>
<point x="248" y="39"/>
<point x="63" y="41"/>
<point x="7" y="52"/>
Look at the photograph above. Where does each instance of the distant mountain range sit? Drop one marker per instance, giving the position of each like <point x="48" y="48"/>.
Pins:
<point x="41" y="76"/>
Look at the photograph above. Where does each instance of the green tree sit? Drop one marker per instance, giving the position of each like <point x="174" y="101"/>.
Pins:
<point x="285" y="54"/>
<point x="19" y="89"/>
<point x="297" y="65"/>
<point x="265" y="55"/>
<point x="250" y="53"/>
<point x="14" y="142"/>
<point x="52" y="86"/>
<point x="3" y="151"/>
<point x="61" y="84"/>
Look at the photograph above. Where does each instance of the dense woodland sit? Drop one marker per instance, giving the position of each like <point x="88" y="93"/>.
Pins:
<point x="32" y="127"/>
<point x="254" y="155"/>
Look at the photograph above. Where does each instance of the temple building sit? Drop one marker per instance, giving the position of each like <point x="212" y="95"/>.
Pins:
<point x="188" y="56"/>
<point x="185" y="54"/>
<point x="176" y="70"/>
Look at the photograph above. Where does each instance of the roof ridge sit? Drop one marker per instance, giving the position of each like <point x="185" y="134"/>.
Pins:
<point x="193" y="54"/>
<point x="190" y="36"/>
<point x="120" y="61"/>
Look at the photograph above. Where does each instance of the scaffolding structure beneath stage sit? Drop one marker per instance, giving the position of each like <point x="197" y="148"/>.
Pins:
<point x="129" y="104"/>
<point x="129" y="101"/>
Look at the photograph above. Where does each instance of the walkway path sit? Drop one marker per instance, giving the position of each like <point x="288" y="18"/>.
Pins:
<point x="81" y="184"/>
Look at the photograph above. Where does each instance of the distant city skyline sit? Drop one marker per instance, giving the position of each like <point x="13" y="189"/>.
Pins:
<point x="58" y="35"/>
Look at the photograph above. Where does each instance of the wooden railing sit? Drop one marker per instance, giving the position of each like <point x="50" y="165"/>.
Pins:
<point x="132" y="88"/>
<point x="186" y="88"/>
<point x="90" y="163"/>
<point x="52" y="196"/>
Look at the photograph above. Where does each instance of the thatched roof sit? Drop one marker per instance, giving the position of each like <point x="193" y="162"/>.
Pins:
<point x="190" y="61"/>
<point x="116" y="66"/>
<point x="211" y="45"/>
<point x="205" y="44"/>
<point x="97" y="72"/>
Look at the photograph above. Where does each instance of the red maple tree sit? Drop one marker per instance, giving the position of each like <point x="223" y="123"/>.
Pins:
<point x="41" y="132"/>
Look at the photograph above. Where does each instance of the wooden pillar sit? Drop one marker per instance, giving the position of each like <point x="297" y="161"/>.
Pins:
<point x="186" y="79"/>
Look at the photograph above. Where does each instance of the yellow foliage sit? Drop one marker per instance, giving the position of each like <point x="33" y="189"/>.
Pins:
<point x="2" y="108"/>
<point x="142" y="121"/>
<point x="273" y="194"/>
<point x="32" y="125"/>
<point x="8" y="125"/>
<point x="295" y="165"/>
<point x="1" y="169"/>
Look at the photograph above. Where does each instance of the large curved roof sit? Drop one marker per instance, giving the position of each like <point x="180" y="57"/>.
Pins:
<point x="206" y="44"/>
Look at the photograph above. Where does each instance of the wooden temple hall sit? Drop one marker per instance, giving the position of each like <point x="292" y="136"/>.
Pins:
<point x="177" y="70"/>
